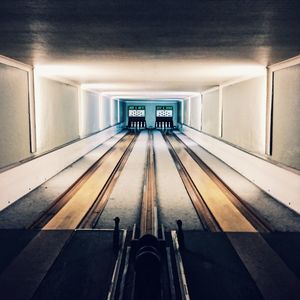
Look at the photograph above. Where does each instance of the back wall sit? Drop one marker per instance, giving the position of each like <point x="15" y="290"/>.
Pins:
<point x="150" y="107"/>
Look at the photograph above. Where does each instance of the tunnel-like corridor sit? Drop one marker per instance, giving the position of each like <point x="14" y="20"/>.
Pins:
<point x="149" y="150"/>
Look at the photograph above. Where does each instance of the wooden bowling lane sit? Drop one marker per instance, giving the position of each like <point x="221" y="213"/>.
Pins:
<point x="70" y="215"/>
<point x="226" y="214"/>
<point x="148" y="222"/>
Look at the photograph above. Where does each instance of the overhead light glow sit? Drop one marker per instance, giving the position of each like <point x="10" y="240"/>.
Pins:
<point x="150" y="74"/>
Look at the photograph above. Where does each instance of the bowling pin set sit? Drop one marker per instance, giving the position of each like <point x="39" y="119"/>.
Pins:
<point x="164" y="117"/>
<point x="137" y="124"/>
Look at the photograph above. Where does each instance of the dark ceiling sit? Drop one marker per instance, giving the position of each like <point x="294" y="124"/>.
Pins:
<point x="42" y="31"/>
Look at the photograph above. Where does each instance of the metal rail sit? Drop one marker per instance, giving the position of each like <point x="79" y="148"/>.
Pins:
<point x="116" y="272"/>
<point x="180" y="268"/>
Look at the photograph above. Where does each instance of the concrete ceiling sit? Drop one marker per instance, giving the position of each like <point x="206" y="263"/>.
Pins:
<point x="130" y="47"/>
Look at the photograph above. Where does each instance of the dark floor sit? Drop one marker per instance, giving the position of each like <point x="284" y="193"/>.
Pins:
<point x="215" y="271"/>
<point x="79" y="268"/>
<point x="79" y="264"/>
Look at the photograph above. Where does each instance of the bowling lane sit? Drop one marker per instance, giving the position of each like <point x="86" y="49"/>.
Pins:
<point x="125" y="200"/>
<point x="173" y="200"/>
<point x="72" y="213"/>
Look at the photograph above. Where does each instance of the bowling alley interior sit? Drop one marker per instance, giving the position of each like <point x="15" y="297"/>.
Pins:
<point x="150" y="150"/>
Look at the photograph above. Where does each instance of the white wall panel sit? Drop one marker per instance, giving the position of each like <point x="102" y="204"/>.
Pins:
<point x="115" y="112"/>
<point x="211" y="113"/>
<point x="105" y="113"/>
<point x="89" y="110"/>
<point x="186" y="111"/>
<point x="14" y="115"/>
<point x="244" y="114"/>
<point x="286" y="117"/>
<point x="57" y="116"/>
<point x="195" y="112"/>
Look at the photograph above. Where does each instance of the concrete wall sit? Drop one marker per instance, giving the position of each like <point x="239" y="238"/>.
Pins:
<point x="114" y="112"/>
<point x="14" y="115"/>
<point x="286" y="116"/>
<point x="57" y="113"/>
<point x="105" y="114"/>
<point x="244" y="114"/>
<point x="150" y="107"/>
<point x="89" y="113"/>
<point x="243" y="111"/>
<point x="195" y="117"/>
<point x="210" y="113"/>
<point x="186" y="111"/>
